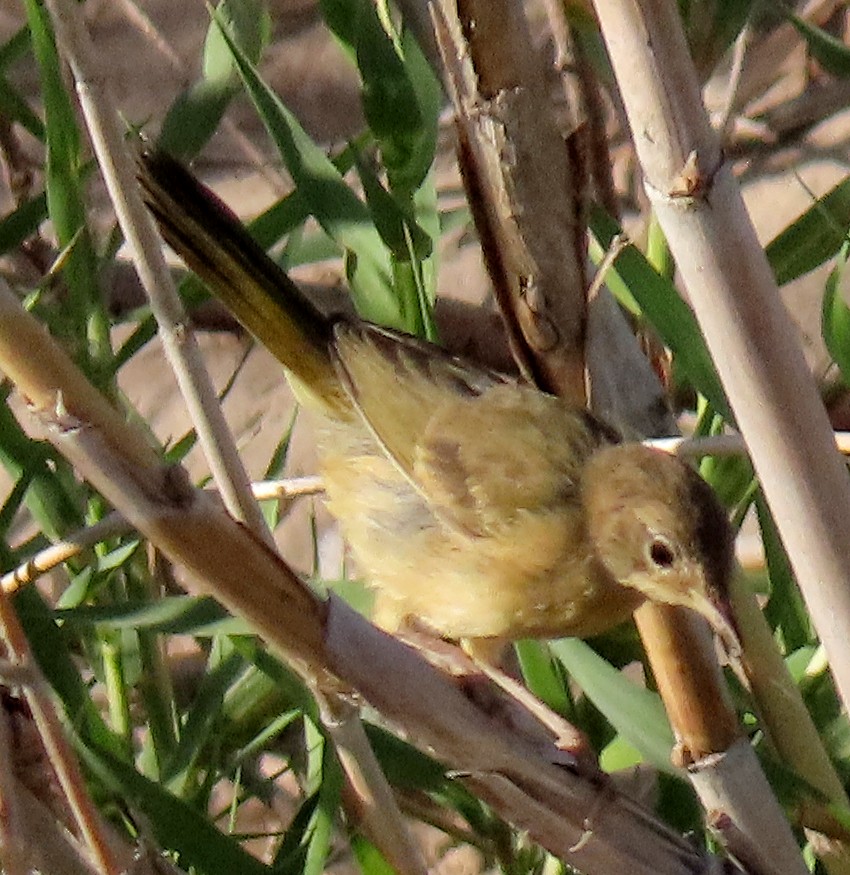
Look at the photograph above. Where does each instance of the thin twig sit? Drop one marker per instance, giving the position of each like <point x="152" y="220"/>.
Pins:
<point x="114" y="525"/>
<point x="177" y="339"/>
<point x="724" y="119"/>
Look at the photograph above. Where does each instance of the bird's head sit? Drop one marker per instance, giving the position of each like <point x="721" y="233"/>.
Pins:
<point x="657" y="526"/>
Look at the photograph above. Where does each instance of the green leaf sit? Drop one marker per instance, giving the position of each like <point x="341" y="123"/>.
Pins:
<point x="175" y="615"/>
<point x="369" y="858"/>
<point x="194" y="116"/>
<point x="248" y="25"/>
<point x="13" y="503"/>
<point x="196" y="113"/>
<point x="635" y="712"/>
<point x="831" y="53"/>
<point x="396" y="225"/>
<point x="429" y="98"/>
<point x="404" y="765"/>
<point x="813" y="238"/>
<point x="15" y="48"/>
<point x="178" y="826"/>
<point x="50" y="645"/>
<point x="22" y="222"/>
<point x="390" y="102"/>
<point x="835" y="316"/>
<point x="14" y="108"/>
<point x="542" y="677"/>
<point x="343" y="216"/>
<point x="200" y="719"/>
<point x="669" y="314"/>
<point x="324" y="773"/>
<point x="786" y="610"/>
<point x="618" y="755"/>
<point x="272" y="509"/>
<point x="84" y="322"/>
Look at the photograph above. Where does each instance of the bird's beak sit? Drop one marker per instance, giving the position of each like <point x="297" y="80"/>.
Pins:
<point x="718" y="613"/>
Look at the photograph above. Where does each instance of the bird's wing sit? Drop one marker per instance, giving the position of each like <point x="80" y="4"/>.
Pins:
<point x="470" y="441"/>
<point x="491" y="460"/>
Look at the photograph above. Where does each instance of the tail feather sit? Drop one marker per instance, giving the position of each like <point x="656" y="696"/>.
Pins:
<point x="209" y="238"/>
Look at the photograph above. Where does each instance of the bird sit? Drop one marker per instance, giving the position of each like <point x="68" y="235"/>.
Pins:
<point x="477" y="507"/>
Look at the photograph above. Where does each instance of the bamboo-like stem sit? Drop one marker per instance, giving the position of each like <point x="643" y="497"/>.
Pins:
<point x="689" y="681"/>
<point x="586" y="822"/>
<point x="737" y="304"/>
<point x="525" y="189"/>
<point x="54" y="383"/>
<point x="178" y="341"/>
<point x="730" y="788"/>
<point x="721" y="764"/>
<point x="789" y="725"/>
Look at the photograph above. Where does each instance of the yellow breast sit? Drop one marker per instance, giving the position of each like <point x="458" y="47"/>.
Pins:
<point x="535" y="578"/>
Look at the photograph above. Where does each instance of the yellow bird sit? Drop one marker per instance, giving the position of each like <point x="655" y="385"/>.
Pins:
<point x="481" y="508"/>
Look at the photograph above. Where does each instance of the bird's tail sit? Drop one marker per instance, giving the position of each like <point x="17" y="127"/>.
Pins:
<point x="217" y="247"/>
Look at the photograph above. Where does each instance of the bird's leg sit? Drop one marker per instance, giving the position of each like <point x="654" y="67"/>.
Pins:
<point x="486" y="654"/>
<point x="481" y="656"/>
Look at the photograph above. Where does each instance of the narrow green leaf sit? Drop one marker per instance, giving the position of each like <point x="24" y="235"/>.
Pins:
<point x="15" y="109"/>
<point x="395" y="225"/>
<point x="618" y="755"/>
<point x="829" y="51"/>
<point x="194" y="117"/>
<point x="200" y="719"/>
<point x="248" y="25"/>
<point x="403" y="764"/>
<point x="542" y="677"/>
<point x="785" y="610"/>
<point x="50" y="646"/>
<point x="389" y="100"/>
<point x="175" y="615"/>
<point x="15" y="47"/>
<point x="342" y="18"/>
<point x="22" y="222"/>
<point x="325" y="774"/>
<point x="178" y="826"/>
<point x="291" y="854"/>
<point x="369" y="858"/>
<point x="267" y="734"/>
<point x="84" y="322"/>
<point x="117" y="557"/>
<point x="429" y="98"/>
<point x="835" y="316"/>
<point x="813" y="238"/>
<point x="49" y="499"/>
<point x="272" y="509"/>
<point x="12" y="504"/>
<point x="669" y="314"/>
<point x="338" y="210"/>
<point x="635" y="712"/>
<point x="196" y="113"/>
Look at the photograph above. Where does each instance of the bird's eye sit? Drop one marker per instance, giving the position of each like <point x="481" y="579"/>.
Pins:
<point x="661" y="553"/>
